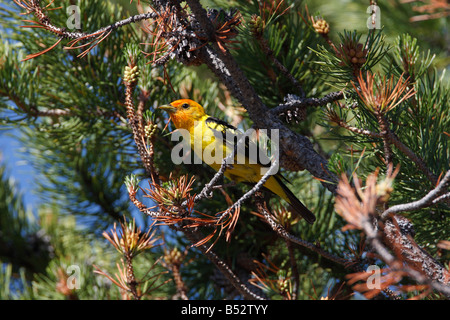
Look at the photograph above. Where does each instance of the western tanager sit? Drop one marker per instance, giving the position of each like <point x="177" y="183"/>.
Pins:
<point x="189" y="115"/>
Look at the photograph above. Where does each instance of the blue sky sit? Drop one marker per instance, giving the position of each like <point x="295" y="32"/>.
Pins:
<point x="18" y="168"/>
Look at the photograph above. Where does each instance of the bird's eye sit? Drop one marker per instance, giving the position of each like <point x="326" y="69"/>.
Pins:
<point x="185" y="106"/>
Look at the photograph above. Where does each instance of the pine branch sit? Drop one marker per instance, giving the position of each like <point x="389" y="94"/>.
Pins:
<point x="181" y="287"/>
<point x="173" y="260"/>
<point x="44" y="22"/>
<point x="130" y="278"/>
<point x="295" y="102"/>
<point x="135" y="120"/>
<point x="33" y="110"/>
<point x="33" y="6"/>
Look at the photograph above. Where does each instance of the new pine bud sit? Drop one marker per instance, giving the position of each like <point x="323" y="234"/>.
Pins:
<point x="321" y="26"/>
<point x="130" y="75"/>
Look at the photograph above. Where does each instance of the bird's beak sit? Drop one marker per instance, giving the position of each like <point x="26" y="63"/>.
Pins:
<point x="168" y="107"/>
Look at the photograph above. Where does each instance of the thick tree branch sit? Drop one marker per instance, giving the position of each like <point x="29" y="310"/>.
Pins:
<point x="224" y="62"/>
<point x="358" y="208"/>
<point x="421" y="266"/>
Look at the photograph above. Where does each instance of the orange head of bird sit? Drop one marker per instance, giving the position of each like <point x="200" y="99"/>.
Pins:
<point x="184" y="113"/>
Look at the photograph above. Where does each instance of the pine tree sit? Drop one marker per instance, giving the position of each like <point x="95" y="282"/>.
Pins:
<point x="362" y="117"/>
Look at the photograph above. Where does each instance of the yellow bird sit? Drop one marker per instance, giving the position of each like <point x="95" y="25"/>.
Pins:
<point x="189" y="115"/>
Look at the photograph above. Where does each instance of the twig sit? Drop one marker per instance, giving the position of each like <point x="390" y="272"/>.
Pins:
<point x="194" y="237"/>
<point x="411" y="155"/>
<point x="142" y="207"/>
<point x="294" y="268"/>
<point x="426" y="201"/>
<point x="359" y="131"/>
<point x="281" y="231"/>
<point x="269" y="53"/>
<point x="258" y="186"/>
<point x="248" y="194"/>
<point x="207" y="189"/>
<point x="179" y="283"/>
<point x="444" y="197"/>
<point x="34" y="111"/>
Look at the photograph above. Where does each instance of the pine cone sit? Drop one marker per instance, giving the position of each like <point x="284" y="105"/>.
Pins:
<point x="352" y="54"/>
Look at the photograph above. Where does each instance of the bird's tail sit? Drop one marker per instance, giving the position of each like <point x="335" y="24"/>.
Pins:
<point x="296" y="205"/>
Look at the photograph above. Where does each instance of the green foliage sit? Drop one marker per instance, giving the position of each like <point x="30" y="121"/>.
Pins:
<point x="288" y="37"/>
<point x="338" y="68"/>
